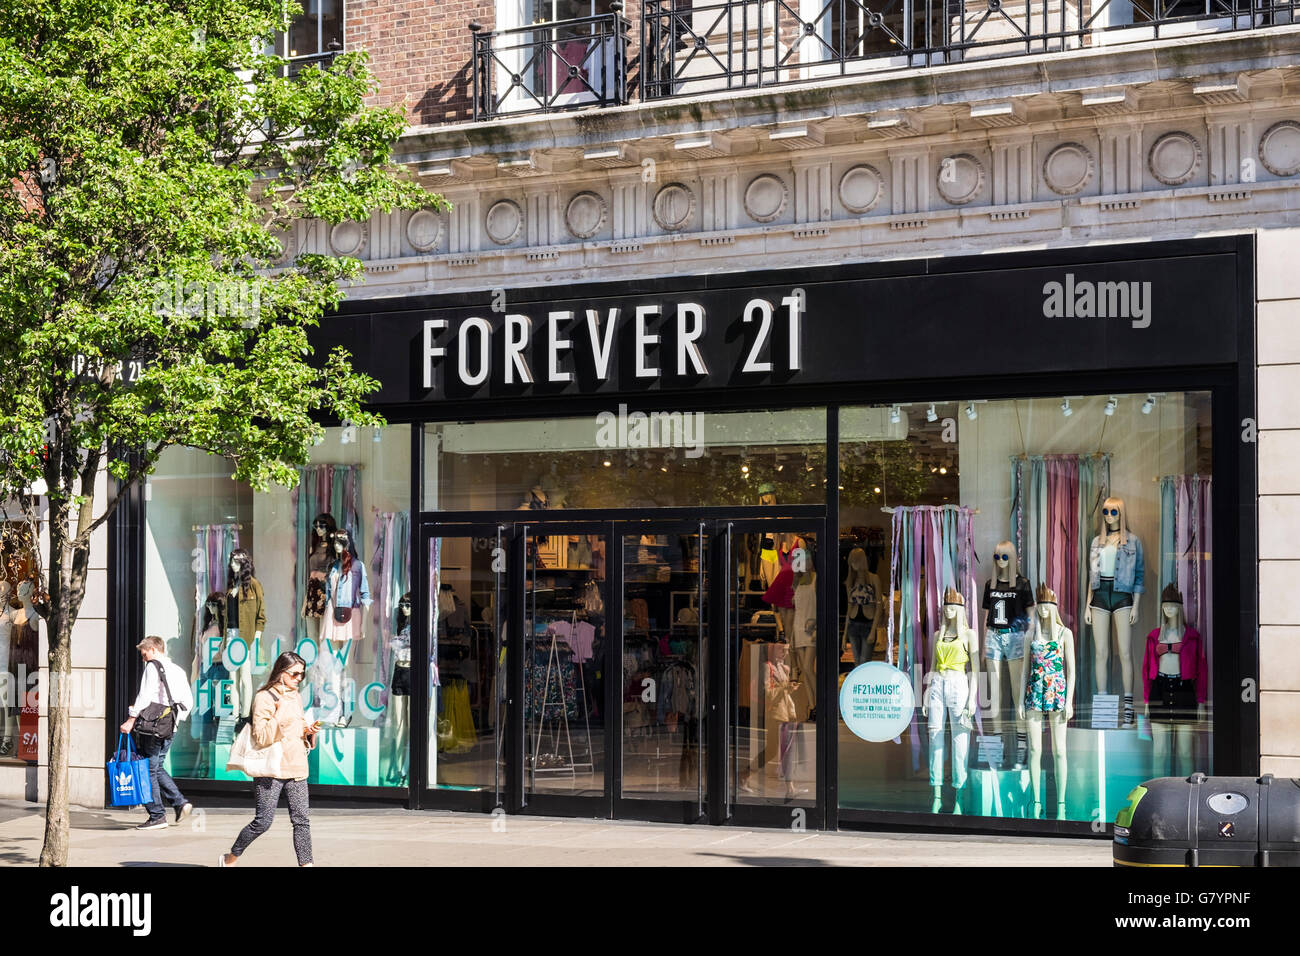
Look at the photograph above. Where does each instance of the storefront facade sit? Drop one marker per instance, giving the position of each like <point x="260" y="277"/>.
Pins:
<point x="605" y="524"/>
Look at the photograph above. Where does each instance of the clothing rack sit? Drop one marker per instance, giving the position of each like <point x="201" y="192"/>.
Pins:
<point x="194" y="529"/>
<point x="553" y="668"/>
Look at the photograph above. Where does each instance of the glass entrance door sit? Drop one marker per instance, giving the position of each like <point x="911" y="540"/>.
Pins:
<point x="564" y="660"/>
<point x="773" y="600"/>
<point x="663" y="686"/>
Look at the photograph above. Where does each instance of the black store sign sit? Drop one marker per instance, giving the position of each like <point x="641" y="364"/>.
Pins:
<point x="819" y="327"/>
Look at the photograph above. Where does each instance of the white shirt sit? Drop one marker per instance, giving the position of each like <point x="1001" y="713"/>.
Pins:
<point x="1108" y="555"/>
<point x="151" y="691"/>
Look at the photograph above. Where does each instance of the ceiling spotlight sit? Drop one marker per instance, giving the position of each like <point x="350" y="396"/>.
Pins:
<point x="1149" y="404"/>
<point x="780" y="467"/>
<point x="895" y="415"/>
<point x="930" y="414"/>
<point x="876" y="490"/>
<point x="608" y="463"/>
<point x="1066" y="410"/>
<point x="970" y="411"/>
<point x="943" y="470"/>
<point x="663" y="467"/>
<point x="744" y="469"/>
<point x="1110" y="405"/>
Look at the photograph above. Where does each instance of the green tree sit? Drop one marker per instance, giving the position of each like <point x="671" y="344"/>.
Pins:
<point x="154" y="160"/>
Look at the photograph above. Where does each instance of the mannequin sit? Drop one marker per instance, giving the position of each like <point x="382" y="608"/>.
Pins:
<point x="954" y="683"/>
<point x="348" y="592"/>
<point x="318" y="560"/>
<point x="778" y="708"/>
<point x="1007" y="604"/>
<point x="1175" y="680"/>
<point x="8" y="684"/>
<point x="212" y="626"/>
<point x="245" y="618"/>
<point x="780" y="592"/>
<point x="1115" y="571"/>
<point x="864" y="599"/>
<point x="399" y="693"/>
<point x="1048" y="692"/>
<point x="24" y="648"/>
<point x="803" y="636"/>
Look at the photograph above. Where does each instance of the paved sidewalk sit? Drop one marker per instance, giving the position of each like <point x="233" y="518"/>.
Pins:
<point x="406" y="838"/>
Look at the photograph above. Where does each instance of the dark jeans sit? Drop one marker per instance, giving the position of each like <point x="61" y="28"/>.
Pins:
<point x="161" y="783"/>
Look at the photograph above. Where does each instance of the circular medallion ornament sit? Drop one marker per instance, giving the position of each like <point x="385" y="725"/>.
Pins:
<point x="504" y="221"/>
<point x="673" y="207"/>
<point x="876" y="701"/>
<point x="1279" y="148"/>
<point x="423" y="230"/>
<point x="861" y="188"/>
<point x="960" y="178"/>
<point x="1068" y="168"/>
<point x="765" y="197"/>
<point x="585" y="214"/>
<point x="348" y="238"/>
<point x="1174" y="158"/>
<point x="288" y="240"/>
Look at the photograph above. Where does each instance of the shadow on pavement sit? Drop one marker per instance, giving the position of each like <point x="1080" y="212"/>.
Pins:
<point x="769" y="860"/>
<point x="155" y="863"/>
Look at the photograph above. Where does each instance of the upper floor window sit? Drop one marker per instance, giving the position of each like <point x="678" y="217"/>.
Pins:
<point x="314" y="35"/>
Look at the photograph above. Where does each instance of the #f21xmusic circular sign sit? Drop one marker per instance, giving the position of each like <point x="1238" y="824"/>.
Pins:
<point x="876" y="701"/>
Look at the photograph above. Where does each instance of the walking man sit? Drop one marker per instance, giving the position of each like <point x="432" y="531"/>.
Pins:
<point x="162" y="683"/>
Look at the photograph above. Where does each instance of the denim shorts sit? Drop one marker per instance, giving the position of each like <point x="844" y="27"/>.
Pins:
<point x="1106" y="598"/>
<point x="1004" y="644"/>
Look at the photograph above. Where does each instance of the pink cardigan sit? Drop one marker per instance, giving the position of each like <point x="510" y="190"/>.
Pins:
<point x="1191" y="662"/>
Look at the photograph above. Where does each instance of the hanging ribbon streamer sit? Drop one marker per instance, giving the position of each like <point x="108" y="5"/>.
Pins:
<point x="332" y="489"/>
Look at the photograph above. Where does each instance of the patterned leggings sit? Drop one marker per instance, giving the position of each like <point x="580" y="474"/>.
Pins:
<point x="267" y="791"/>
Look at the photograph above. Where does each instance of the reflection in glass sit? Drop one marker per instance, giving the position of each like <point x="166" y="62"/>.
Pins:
<point x="773" y="603"/>
<point x="466" y="653"/>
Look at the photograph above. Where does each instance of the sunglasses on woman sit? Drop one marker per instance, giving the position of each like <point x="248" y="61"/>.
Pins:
<point x="297" y="675"/>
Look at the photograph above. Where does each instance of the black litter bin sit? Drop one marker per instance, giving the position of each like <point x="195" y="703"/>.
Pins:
<point x="1210" y="821"/>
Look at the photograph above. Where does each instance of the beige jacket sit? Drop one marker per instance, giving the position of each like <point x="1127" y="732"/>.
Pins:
<point x="283" y="720"/>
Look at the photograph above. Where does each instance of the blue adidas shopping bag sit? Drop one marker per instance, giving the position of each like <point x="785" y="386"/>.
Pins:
<point x="128" y="776"/>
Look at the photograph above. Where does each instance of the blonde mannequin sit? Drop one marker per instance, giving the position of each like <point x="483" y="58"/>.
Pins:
<point x="954" y="684"/>
<point x="1114" y="593"/>
<point x="1048" y="691"/>
<point x="8" y="686"/>
<point x="865" y="601"/>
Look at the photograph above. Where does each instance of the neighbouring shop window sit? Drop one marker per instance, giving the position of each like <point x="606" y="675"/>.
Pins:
<point x="1053" y="557"/>
<point x="22" y="612"/>
<point x="625" y="458"/>
<point x="341" y="539"/>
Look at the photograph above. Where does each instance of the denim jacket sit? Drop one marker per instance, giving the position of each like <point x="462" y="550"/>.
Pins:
<point x="1129" y="568"/>
<point x="353" y="589"/>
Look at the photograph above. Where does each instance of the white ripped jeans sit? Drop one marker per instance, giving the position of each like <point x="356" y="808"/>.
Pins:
<point x="948" y="692"/>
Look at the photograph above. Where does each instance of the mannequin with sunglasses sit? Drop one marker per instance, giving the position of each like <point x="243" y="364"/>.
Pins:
<point x="319" y="557"/>
<point x="953" y="690"/>
<point x="245" y="618"/>
<point x="1115" y="571"/>
<point x="347" y="595"/>
<point x="1048" y="693"/>
<point x="399" y="693"/>
<point x="1008" y="602"/>
<point x="1175" y="679"/>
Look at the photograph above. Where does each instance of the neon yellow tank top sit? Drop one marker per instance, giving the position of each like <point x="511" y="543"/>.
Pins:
<point x="951" y="655"/>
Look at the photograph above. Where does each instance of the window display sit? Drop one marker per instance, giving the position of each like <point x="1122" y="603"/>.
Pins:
<point x="21" y="615"/>
<point x="1059" y="514"/>
<point x="235" y="577"/>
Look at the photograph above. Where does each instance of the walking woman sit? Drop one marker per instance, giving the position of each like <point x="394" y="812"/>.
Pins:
<point x="277" y="715"/>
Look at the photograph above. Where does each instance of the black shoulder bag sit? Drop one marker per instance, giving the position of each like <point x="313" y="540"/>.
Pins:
<point x="159" y="720"/>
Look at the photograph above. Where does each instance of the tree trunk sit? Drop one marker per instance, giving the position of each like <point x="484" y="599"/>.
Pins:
<point x="67" y="585"/>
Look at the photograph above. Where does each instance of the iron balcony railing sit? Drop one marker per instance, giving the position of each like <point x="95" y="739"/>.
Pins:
<point x="692" y="48"/>
<point x="545" y="67"/>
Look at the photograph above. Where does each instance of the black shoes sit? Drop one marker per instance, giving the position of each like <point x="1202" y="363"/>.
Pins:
<point x="183" y="811"/>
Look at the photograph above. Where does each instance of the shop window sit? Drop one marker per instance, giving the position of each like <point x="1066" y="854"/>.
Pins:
<point x="22" y="610"/>
<point x="626" y="458"/>
<point x="1054" y="556"/>
<point x="198" y="517"/>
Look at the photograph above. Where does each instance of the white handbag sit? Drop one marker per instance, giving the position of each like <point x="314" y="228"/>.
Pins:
<point x="255" y="761"/>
